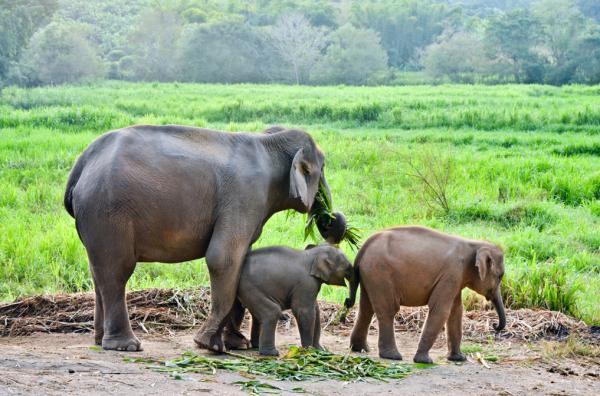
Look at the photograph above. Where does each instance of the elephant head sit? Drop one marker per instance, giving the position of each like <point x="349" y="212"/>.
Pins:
<point x="489" y="265"/>
<point x="305" y="174"/>
<point x="330" y="265"/>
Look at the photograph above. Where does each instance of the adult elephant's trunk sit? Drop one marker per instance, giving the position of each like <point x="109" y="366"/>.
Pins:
<point x="499" y="306"/>
<point x="331" y="229"/>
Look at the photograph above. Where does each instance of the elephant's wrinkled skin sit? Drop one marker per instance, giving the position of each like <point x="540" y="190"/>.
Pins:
<point x="176" y="193"/>
<point x="278" y="278"/>
<point x="416" y="266"/>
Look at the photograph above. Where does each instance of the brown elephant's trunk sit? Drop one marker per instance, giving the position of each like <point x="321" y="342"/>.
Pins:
<point x="499" y="306"/>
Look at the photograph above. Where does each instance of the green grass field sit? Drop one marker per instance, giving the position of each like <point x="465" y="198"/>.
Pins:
<point x="525" y="158"/>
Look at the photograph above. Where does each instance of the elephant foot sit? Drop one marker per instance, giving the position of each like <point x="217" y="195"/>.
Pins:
<point x="236" y="340"/>
<point x="318" y="346"/>
<point x="359" y="347"/>
<point x="422" y="358"/>
<point x="128" y="343"/>
<point x="98" y="339"/>
<point x="457" y="357"/>
<point x="268" y="351"/>
<point x="393" y="355"/>
<point x="254" y="343"/>
<point x="210" y="340"/>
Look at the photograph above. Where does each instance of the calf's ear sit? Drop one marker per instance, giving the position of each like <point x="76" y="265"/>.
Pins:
<point x="483" y="261"/>
<point x="325" y="269"/>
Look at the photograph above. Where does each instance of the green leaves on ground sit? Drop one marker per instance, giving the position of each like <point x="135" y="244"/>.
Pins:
<point x="299" y="364"/>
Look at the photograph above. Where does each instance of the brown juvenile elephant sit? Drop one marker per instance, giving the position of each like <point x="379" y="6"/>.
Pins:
<point x="175" y="193"/>
<point x="415" y="266"/>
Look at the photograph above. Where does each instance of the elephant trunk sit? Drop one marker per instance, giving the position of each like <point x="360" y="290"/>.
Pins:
<point x="355" y="282"/>
<point x="499" y="306"/>
<point x="332" y="229"/>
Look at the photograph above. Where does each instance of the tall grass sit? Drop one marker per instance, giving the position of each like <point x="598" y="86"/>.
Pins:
<point x="526" y="173"/>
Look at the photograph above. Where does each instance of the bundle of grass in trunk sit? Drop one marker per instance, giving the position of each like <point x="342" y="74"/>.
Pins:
<point x="333" y="223"/>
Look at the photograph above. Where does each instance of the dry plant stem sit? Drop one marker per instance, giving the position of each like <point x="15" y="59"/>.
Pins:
<point x="165" y="311"/>
<point x="434" y="173"/>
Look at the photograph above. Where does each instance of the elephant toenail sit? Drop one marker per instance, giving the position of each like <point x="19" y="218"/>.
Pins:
<point x="216" y="347"/>
<point x="131" y="348"/>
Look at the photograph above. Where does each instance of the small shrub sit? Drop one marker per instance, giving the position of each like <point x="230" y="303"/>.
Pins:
<point x="529" y="215"/>
<point x="433" y="172"/>
<point x="579" y="149"/>
<point x="543" y="285"/>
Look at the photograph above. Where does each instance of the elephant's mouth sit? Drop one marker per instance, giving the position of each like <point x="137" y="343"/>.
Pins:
<point x="332" y="228"/>
<point x="332" y="225"/>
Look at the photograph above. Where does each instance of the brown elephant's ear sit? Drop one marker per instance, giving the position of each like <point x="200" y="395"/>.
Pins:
<point x="483" y="259"/>
<point x="298" y="187"/>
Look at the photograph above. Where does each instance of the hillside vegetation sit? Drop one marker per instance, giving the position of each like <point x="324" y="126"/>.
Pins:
<point x="315" y="42"/>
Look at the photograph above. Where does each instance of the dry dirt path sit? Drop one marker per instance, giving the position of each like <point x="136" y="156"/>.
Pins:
<point x="59" y="364"/>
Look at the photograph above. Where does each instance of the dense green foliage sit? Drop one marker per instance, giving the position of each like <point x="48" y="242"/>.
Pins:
<point x="301" y="41"/>
<point x="19" y="20"/>
<point x="526" y="172"/>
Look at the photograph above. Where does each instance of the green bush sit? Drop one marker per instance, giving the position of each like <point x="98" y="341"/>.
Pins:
<point x="546" y="285"/>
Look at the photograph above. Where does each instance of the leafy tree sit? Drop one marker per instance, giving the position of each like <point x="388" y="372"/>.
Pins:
<point x="19" y="19"/>
<point x="590" y="8"/>
<point x="110" y="21"/>
<point x="352" y="56"/>
<point x="318" y="12"/>
<point x="404" y="26"/>
<point x="588" y="58"/>
<point x="511" y="39"/>
<point x="562" y="29"/>
<point x="152" y="46"/>
<point x="224" y="51"/>
<point x="60" y="53"/>
<point x="460" y="56"/>
<point x="298" y="43"/>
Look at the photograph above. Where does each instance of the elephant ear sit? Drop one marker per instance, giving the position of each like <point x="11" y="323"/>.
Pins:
<point x="483" y="261"/>
<point x="324" y="268"/>
<point x="298" y="186"/>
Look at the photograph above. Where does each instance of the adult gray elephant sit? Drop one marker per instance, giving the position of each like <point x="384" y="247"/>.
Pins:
<point x="176" y="193"/>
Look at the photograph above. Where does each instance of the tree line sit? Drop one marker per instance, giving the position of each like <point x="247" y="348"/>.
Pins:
<point x="300" y="41"/>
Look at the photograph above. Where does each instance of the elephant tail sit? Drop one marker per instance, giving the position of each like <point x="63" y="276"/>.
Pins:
<point x="71" y="183"/>
<point x="355" y="281"/>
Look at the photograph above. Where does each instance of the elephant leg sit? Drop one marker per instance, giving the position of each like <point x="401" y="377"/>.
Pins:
<point x="98" y="316"/>
<point x="224" y="259"/>
<point x="454" y="331"/>
<point x="268" y="326"/>
<point x="358" y="339"/>
<point x="317" y="331"/>
<point x="255" y="332"/>
<point x="387" y="342"/>
<point x="233" y="338"/>
<point x="440" y="305"/>
<point x="305" y="316"/>
<point x="111" y="275"/>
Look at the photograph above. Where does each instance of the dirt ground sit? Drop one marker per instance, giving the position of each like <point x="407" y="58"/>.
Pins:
<point x="59" y="364"/>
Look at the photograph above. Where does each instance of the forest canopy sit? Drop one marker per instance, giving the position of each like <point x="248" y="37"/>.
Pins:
<point x="350" y="42"/>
